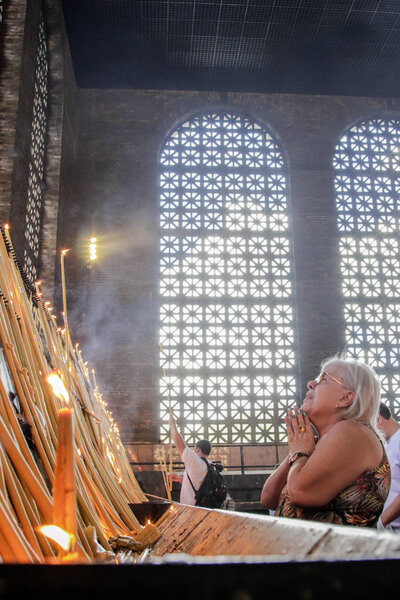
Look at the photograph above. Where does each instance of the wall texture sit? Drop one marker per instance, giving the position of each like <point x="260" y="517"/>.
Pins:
<point x="109" y="189"/>
<point x="18" y="60"/>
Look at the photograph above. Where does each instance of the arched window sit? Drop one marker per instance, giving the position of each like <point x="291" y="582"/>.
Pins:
<point x="367" y="181"/>
<point x="226" y="297"/>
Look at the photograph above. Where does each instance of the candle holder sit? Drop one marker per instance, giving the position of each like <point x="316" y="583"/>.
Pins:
<point x="144" y="511"/>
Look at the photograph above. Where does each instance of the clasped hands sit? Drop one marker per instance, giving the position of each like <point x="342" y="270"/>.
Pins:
<point x="300" y="432"/>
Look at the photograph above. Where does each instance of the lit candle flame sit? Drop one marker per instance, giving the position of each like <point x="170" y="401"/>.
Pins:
<point x="58" y="386"/>
<point x="148" y="522"/>
<point x="65" y="251"/>
<point x="58" y="535"/>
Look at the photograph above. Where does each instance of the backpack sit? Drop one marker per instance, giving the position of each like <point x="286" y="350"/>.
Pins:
<point x="213" y="489"/>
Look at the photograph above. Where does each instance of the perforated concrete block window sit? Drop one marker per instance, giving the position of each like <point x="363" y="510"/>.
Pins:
<point x="36" y="164"/>
<point x="227" y="321"/>
<point x="367" y="182"/>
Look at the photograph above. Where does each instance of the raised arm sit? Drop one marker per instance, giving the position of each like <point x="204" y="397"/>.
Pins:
<point x="303" y="444"/>
<point x="176" y="436"/>
<point x="298" y="444"/>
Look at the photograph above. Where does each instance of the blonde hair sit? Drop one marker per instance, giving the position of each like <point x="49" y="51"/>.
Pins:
<point x="364" y="382"/>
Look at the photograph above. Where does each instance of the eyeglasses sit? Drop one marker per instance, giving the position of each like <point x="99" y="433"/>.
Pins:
<point x="322" y="375"/>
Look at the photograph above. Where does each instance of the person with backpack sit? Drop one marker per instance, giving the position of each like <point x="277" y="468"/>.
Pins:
<point x="202" y="483"/>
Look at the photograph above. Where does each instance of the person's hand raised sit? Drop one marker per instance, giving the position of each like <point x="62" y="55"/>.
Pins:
<point x="300" y="432"/>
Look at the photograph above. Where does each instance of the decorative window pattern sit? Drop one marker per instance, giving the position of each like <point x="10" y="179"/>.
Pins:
<point x="227" y="345"/>
<point x="367" y="180"/>
<point x="36" y="164"/>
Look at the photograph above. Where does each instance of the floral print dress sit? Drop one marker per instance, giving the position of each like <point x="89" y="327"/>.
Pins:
<point x="360" y="504"/>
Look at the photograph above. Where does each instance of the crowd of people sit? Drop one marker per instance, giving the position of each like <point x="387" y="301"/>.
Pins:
<point x="343" y="464"/>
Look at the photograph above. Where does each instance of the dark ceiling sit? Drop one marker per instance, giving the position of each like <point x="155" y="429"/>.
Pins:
<point x="293" y="46"/>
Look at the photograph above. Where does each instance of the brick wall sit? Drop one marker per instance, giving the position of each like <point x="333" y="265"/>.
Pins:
<point x="17" y="57"/>
<point x="19" y="51"/>
<point x="111" y="184"/>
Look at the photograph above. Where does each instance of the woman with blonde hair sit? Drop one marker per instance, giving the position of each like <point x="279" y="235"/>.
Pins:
<point x="342" y="476"/>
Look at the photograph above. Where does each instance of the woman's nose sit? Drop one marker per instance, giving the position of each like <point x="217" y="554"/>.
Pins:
<point x="311" y="384"/>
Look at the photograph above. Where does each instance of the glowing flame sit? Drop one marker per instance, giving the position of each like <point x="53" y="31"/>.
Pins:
<point x="58" y="535"/>
<point x="148" y="522"/>
<point x="65" y="251"/>
<point x="6" y="226"/>
<point x="57" y="386"/>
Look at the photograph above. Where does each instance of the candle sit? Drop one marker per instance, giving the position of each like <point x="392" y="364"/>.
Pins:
<point x="25" y="473"/>
<point x="164" y="475"/>
<point x="170" y="450"/>
<point x="38" y="292"/>
<point x="64" y="296"/>
<point x="148" y="535"/>
<point x="7" y="232"/>
<point x="165" y="515"/>
<point x="64" y="497"/>
<point x="64" y="493"/>
<point x="12" y="535"/>
<point x="169" y="478"/>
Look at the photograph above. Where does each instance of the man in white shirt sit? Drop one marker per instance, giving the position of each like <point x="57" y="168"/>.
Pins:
<point x="391" y="430"/>
<point x="195" y="467"/>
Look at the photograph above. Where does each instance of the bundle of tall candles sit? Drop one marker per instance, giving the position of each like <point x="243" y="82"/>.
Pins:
<point x="65" y="480"/>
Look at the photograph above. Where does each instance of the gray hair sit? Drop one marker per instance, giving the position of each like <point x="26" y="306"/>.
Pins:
<point x="364" y="382"/>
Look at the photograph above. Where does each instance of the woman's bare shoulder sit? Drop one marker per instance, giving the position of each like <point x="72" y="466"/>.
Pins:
<point x="350" y="435"/>
<point x="349" y="431"/>
<point x="345" y="425"/>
